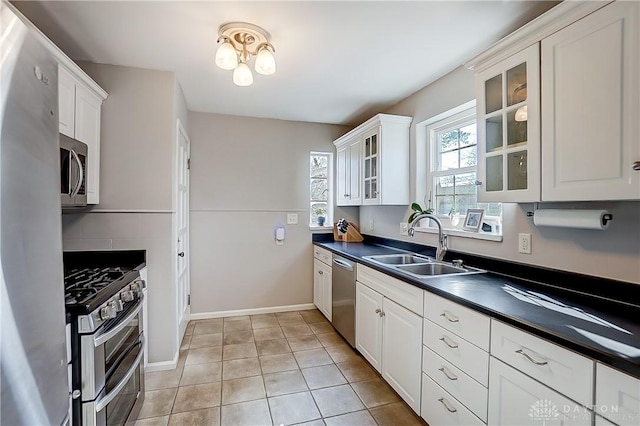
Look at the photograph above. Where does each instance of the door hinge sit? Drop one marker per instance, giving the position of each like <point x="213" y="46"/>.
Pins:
<point x="189" y="299"/>
<point x="188" y="163"/>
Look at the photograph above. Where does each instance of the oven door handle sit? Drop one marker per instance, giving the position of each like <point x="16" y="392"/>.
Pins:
<point x="103" y="402"/>
<point x="99" y="340"/>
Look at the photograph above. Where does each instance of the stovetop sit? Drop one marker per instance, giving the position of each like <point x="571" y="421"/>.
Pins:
<point x="87" y="288"/>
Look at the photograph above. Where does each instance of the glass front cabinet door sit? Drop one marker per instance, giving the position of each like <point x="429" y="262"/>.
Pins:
<point x="508" y="112"/>
<point x="371" y="161"/>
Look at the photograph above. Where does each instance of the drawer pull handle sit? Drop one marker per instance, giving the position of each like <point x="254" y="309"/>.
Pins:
<point x="448" y="373"/>
<point x="530" y="358"/>
<point x="449" y="317"/>
<point x="446" y="405"/>
<point x="451" y="345"/>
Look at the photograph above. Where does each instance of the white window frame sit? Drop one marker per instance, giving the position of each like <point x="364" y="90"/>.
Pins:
<point x="426" y="167"/>
<point x="328" y="224"/>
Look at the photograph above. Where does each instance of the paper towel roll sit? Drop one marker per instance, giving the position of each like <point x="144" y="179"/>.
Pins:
<point x="582" y="219"/>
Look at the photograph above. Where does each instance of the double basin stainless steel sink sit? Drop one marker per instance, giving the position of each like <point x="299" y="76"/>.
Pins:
<point x="421" y="266"/>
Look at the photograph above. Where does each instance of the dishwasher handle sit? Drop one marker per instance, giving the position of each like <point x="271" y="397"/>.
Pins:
<point x="343" y="264"/>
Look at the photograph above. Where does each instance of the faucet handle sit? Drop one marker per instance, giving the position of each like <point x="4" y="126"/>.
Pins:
<point x="457" y="262"/>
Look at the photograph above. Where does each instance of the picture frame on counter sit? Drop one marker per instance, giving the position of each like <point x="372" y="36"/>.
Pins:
<point x="473" y="220"/>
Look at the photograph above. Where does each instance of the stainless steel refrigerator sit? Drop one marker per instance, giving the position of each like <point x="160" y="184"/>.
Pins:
<point x="33" y="348"/>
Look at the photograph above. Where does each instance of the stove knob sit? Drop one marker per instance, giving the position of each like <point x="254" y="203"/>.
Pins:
<point x="136" y="288"/>
<point x="126" y="296"/>
<point x="118" y="305"/>
<point x="105" y="313"/>
<point x="112" y="310"/>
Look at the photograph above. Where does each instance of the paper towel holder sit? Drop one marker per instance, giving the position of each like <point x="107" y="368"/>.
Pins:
<point x="605" y="219"/>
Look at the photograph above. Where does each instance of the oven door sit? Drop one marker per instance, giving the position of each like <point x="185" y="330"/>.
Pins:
<point x="120" y="401"/>
<point x="103" y="353"/>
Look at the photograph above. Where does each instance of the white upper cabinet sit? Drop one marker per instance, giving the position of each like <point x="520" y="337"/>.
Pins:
<point x="349" y="159"/>
<point x="509" y="129"/>
<point x="373" y="162"/>
<point x="79" y="116"/>
<point x="590" y="112"/>
<point x="66" y="102"/>
<point x="579" y="136"/>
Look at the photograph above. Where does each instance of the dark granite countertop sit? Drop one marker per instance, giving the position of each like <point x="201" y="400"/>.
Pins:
<point x="567" y="309"/>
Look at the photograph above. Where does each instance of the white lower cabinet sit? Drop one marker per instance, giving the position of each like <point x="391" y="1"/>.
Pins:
<point x="369" y="325"/>
<point x="617" y="396"/>
<point x="322" y="274"/>
<point x="440" y="408"/>
<point x="516" y="399"/>
<point x="402" y="351"/>
<point x="456" y="382"/>
<point x="389" y="336"/>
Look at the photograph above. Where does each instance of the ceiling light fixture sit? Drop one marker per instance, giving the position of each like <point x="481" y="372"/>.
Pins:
<point x="239" y="41"/>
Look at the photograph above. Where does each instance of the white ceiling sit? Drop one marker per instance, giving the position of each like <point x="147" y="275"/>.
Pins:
<point x="338" y="62"/>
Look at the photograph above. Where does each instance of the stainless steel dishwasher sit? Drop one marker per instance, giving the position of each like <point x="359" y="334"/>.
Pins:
<point x="343" y="298"/>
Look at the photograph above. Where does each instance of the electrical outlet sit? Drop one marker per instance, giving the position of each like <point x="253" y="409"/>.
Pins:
<point x="292" y="218"/>
<point x="404" y="228"/>
<point x="524" y="243"/>
<point x="371" y="225"/>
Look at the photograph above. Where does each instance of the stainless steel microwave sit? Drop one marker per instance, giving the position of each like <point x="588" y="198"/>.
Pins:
<point x="73" y="172"/>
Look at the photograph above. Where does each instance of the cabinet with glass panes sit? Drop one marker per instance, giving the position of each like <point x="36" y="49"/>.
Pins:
<point x="508" y="113"/>
<point x="384" y="160"/>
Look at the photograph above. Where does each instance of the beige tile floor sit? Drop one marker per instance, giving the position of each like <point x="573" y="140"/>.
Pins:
<point x="282" y="368"/>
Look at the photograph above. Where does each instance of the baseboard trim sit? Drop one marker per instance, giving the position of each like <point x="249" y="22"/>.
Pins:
<point x="162" y="365"/>
<point x="253" y="311"/>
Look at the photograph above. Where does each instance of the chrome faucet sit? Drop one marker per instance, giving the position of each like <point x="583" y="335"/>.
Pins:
<point x="442" y="238"/>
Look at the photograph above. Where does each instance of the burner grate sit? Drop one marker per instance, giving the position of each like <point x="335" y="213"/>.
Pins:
<point x="82" y="285"/>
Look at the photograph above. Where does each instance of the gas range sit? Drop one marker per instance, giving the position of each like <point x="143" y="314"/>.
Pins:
<point x="99" y="294"/>
<point x="104" y="298"/>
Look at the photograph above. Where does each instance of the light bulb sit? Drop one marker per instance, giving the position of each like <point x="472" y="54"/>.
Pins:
<point x="265" y="62"/>
<point x="242" y="75"/>
<point x="521" y="114"/>
<point x="226" y="56"/>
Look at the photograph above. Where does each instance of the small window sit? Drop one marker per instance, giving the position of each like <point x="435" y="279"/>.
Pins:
<point x="320" y="189"/>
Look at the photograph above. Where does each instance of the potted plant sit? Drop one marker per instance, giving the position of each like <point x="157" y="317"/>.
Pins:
<point x="320" y="212"/>
<point x="416" y="211"/>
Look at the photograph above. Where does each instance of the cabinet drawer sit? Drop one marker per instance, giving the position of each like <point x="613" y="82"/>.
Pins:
<point x="400" y="292"/>
<point x="464" y="355"/>
<point x="322" y="254"/>
<point x="440" y="408"/>
<point x="518" y="400"/>
<point x="465" y="322"/>
<point x="561" y="369"/>
<point x="460" y="385"/>
<point x="617" y="396"/>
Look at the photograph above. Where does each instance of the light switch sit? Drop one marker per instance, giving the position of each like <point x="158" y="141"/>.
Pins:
<point x="292" y="218"/>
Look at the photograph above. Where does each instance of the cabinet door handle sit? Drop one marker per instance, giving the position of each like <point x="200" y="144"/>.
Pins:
<point x="446" y="405"/>
<point x="636" y="166"/>
<point x="530" y="358"/>
<point x="446" y="342"/>
<point x="448" y="373"/>
<point x="378" y="311"/>
<point x="449" y="316"/>
<point x="382" y="314"/>
<point x="320" y="272"/>
<point x="478" y="183"/>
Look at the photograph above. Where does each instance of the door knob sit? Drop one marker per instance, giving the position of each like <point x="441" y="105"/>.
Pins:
<point x="181" y="254"/>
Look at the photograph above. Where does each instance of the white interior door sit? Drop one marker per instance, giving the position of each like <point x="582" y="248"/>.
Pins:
<point x="181" y="233"/>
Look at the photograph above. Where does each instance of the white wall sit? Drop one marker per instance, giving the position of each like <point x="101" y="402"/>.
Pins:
<point x="246" y="175"/>
<point x="614" y="253"/>
<point x="136" y="192"/>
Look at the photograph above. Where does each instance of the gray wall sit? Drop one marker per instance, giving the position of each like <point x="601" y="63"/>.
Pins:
<point x="614" y="253"/>
<point x="246" y="175"/>
<point x="136" y="193"/>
